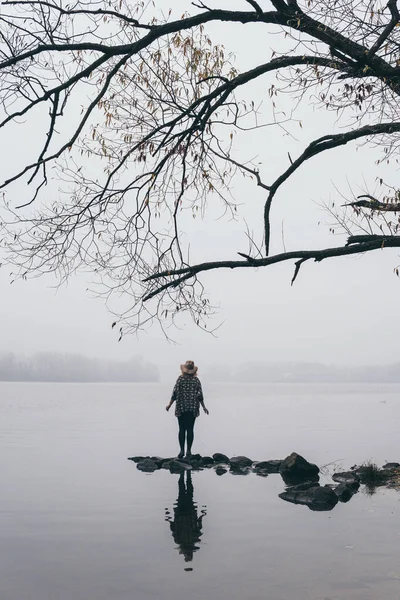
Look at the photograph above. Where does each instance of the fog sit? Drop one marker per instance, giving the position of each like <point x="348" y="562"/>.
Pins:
<point x="339" y="312"/>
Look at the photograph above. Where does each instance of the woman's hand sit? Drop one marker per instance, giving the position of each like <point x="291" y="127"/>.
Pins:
<point x="206" y="411"/>
<point x="167" y="407"/>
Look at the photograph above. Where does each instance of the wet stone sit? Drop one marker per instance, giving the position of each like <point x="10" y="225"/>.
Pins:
<point x="137" y="459"/>
<point x="220" y="458"/>
<point x="207" y="461"/>
<point x="147" y="466"/>
<point x="179" y="466"/>
<point x="239" y="462"/>
<point x="345" y="491"/>
<point x="296" y="468"/>
<point x="270" y="466"/>
<point x="346" y="477"/>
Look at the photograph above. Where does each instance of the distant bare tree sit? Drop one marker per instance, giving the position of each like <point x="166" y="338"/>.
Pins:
<point x="152" y="100"/>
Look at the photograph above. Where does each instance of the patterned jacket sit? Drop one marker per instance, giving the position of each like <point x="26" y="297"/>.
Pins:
<point x="187" y="395"/>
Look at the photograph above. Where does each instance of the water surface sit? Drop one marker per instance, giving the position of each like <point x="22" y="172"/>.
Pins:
<point x="77" y="520"/>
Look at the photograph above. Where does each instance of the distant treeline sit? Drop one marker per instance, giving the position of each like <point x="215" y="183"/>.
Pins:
<point x="303" y="373"/>
<point x="74" y="368"/>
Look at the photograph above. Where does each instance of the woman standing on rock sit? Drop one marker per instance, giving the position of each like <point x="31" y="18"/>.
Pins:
<point x="188" y="395"/>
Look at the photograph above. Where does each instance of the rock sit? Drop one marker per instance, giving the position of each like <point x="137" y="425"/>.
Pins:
<point x="167" y="463"/>
<point x="345" y="491"/>
<point x="316" y="497"/>
<point x="221" y="470"/>
<point x="295" y="468"/>
<point x="391" y="465"/>
<point x="220" y="458"/>
<point x="179" y="466"/>
<point x="238" y="462"/>
<point x="349" y="477"/>
<point x="147" y="465"/>
<point x="235" y="470"/>
<point x="158" y="460"/>
<point x="270" y="466"/>
<point x="196" y="465"/>
<point x="207" y="461"/>
<point x="137" y="459"/>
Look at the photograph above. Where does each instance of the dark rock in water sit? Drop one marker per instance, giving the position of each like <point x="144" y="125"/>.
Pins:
<point x="196" y="465"/>
<point x="238" y="462"/>
<point x="317" y="498"/>
<point x="207" y="461"/>
<point x="220" y="458"/>
<point x="295" y="469"/>
<point x="167" y="463"/>
<point x="391" y="465"/>
<point x="271" y="466"/>
<point x="345" y="491"/>
<point x="235" y="470"/>
<point x="137" y="459"/>
<point x="221" y="470"/>
<point x="261" y="473"/>
<point x="349" y="477"/>
<point x="194" y="458"/>
<point x="158" y="460"/>
<point x="147" y="465"/>
<point x="179" y="466"/>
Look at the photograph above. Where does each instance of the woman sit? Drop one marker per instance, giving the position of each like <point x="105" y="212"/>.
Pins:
<point x="188" y="396"/>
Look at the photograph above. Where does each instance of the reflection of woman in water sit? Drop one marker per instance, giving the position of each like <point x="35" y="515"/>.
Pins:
<point x="186" y="525"/>
<point x="188" y="396"/>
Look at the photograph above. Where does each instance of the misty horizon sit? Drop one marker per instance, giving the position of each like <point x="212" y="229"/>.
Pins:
<point x="72" y="367"/>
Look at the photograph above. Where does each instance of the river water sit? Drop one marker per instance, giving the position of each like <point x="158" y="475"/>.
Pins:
<point x="79" y="521"/>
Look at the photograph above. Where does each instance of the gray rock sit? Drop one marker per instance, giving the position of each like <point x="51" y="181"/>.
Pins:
<point x="345" y="491"/>
<point x="270" y="466"/>
<point x="179" y="466"/>
<point x="207" y="461"/>
<point x="317" y="498"/>
<point x="235" y="470"/>
<point x="295" y="468"/>
<point x="391" y="465"/>
<point x="349" y="477"/>
<point x="220" y="458"/>
<point x="238" y="462"/>
<point x="137" y="459"/>
<point x="147" y="465"/>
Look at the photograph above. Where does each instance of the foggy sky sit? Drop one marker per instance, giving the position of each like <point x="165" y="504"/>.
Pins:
<point x="340" y="311"/>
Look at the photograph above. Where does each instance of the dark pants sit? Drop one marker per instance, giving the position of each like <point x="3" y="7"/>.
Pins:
<point x="186" y="425"/>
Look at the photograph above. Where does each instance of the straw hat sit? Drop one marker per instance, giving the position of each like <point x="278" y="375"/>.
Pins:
<point x="189" y="368"/>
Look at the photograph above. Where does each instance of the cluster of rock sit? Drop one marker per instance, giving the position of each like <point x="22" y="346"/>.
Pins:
<point x="300" y="476"/>
<point x="238" y="465"/>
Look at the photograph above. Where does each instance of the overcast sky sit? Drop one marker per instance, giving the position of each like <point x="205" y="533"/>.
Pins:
<point x="342" y="311"/>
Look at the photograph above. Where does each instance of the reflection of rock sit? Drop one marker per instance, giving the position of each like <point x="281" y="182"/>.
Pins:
<point x="295" y="468"/>
<point x="316" y="497"/>
<point x="220" y="458"/>
<point x="221" y="470"/>
<point x="186" y="524"/>
<point x="147" y="465"/>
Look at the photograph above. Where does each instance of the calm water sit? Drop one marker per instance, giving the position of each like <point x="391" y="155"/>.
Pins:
<point x="78" y="521"/>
